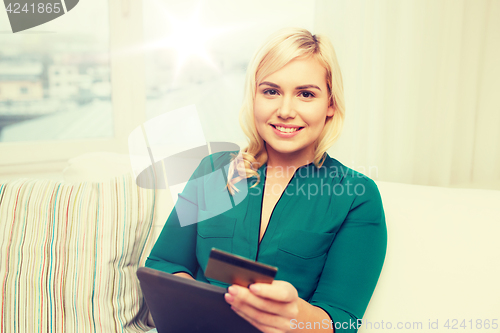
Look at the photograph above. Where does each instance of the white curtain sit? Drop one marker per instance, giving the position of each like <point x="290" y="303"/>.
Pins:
<point x="422" y="87"/>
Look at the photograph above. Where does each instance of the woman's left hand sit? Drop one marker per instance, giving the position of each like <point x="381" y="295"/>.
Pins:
<point x="268" y="307"/>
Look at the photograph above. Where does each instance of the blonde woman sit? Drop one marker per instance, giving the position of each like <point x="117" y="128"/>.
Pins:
<point x="321" y="223"/>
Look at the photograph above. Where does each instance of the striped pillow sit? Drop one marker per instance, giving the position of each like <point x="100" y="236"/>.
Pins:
<point x="69" y="255"/>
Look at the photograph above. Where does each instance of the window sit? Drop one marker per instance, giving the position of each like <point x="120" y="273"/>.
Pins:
<point x="90" y="117"/>
<point x="50" y="104"/>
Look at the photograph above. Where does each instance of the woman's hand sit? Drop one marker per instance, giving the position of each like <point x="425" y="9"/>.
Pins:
<point x="268" y="307"/>
<point x="184" y="275"/>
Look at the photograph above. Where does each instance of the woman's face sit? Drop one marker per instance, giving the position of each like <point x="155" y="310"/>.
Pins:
<point x="291" y="106"/>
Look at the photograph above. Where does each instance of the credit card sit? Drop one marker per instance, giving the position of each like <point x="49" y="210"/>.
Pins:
<point x="233" y="269"/>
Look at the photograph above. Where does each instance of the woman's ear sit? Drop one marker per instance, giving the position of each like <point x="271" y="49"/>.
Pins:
<point x="331" y="111"/>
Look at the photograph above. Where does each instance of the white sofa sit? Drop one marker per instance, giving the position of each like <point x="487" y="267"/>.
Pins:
<point x="442" y="266"/>
<point x="442" y="263"/>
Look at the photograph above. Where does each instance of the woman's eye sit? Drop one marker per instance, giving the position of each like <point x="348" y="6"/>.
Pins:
<point x="270" y="92"/>
<point x="306" y="94"/>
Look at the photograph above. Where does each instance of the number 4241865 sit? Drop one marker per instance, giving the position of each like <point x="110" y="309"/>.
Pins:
<point x="39" y="8"/>
<point x="478" y="324"/>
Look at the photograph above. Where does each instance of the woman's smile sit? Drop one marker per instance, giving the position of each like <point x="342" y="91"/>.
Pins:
<point x="286" y="132"/>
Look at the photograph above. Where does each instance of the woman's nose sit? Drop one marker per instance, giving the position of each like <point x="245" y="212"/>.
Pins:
<point x="286" y="109"/>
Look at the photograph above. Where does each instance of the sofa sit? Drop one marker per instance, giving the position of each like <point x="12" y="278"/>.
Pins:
<point x="70" y="248"/>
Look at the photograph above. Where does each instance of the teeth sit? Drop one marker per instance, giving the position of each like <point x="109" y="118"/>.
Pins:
<point x="286" y="129"/>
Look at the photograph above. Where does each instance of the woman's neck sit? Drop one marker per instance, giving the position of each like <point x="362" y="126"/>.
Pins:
<point x="287" y="163"/>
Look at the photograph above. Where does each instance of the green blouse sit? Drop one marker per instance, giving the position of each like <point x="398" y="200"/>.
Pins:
<point x="327" y="233"/>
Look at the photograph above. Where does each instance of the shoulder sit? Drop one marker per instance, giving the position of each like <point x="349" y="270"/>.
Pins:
<point x="344" y="175"/>
<point x="363" y="192"/>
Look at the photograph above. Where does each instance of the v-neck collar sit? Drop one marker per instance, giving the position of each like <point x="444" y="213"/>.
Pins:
<point x="271" y="227"/>
<point x="257" y="203"/>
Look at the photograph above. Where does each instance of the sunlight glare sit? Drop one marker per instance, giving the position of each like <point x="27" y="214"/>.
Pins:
<point x="189" y="38"/>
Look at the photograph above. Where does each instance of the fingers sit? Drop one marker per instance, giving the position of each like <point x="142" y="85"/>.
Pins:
<point x="258" y="325"/>
<point x="280" y="291"/>
<point x="261" y="312"/>
<point x="243" y="297"/>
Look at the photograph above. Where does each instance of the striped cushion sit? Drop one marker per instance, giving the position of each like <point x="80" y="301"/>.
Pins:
<point x="69" y="255"/>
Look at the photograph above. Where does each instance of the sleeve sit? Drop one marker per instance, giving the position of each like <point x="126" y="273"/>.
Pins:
<point x="175" y="248"/>
<point x="354" y="262"/>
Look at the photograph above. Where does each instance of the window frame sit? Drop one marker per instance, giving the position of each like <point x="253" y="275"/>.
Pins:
<point x="128" y="98"/>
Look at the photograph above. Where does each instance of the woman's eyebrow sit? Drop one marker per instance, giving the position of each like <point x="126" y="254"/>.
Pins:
<point x="269" y="84"/>
<point x="307" y="86"/>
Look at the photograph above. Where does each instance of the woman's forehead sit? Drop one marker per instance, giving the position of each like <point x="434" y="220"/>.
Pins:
<point x="298" y="71"/>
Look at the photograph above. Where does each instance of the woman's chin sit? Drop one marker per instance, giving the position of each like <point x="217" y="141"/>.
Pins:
<point x="285" y="149"/>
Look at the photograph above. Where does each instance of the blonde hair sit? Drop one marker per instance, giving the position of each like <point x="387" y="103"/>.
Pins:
<point x="280" y="48"/>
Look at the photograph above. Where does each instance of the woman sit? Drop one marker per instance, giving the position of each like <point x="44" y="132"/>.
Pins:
<point x="321" y="223"/>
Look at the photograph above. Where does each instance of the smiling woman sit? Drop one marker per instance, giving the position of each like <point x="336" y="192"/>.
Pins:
<point x="330" y="246"/>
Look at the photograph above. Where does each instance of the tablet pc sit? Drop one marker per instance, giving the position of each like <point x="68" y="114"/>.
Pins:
<point x="178" y="305"/>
